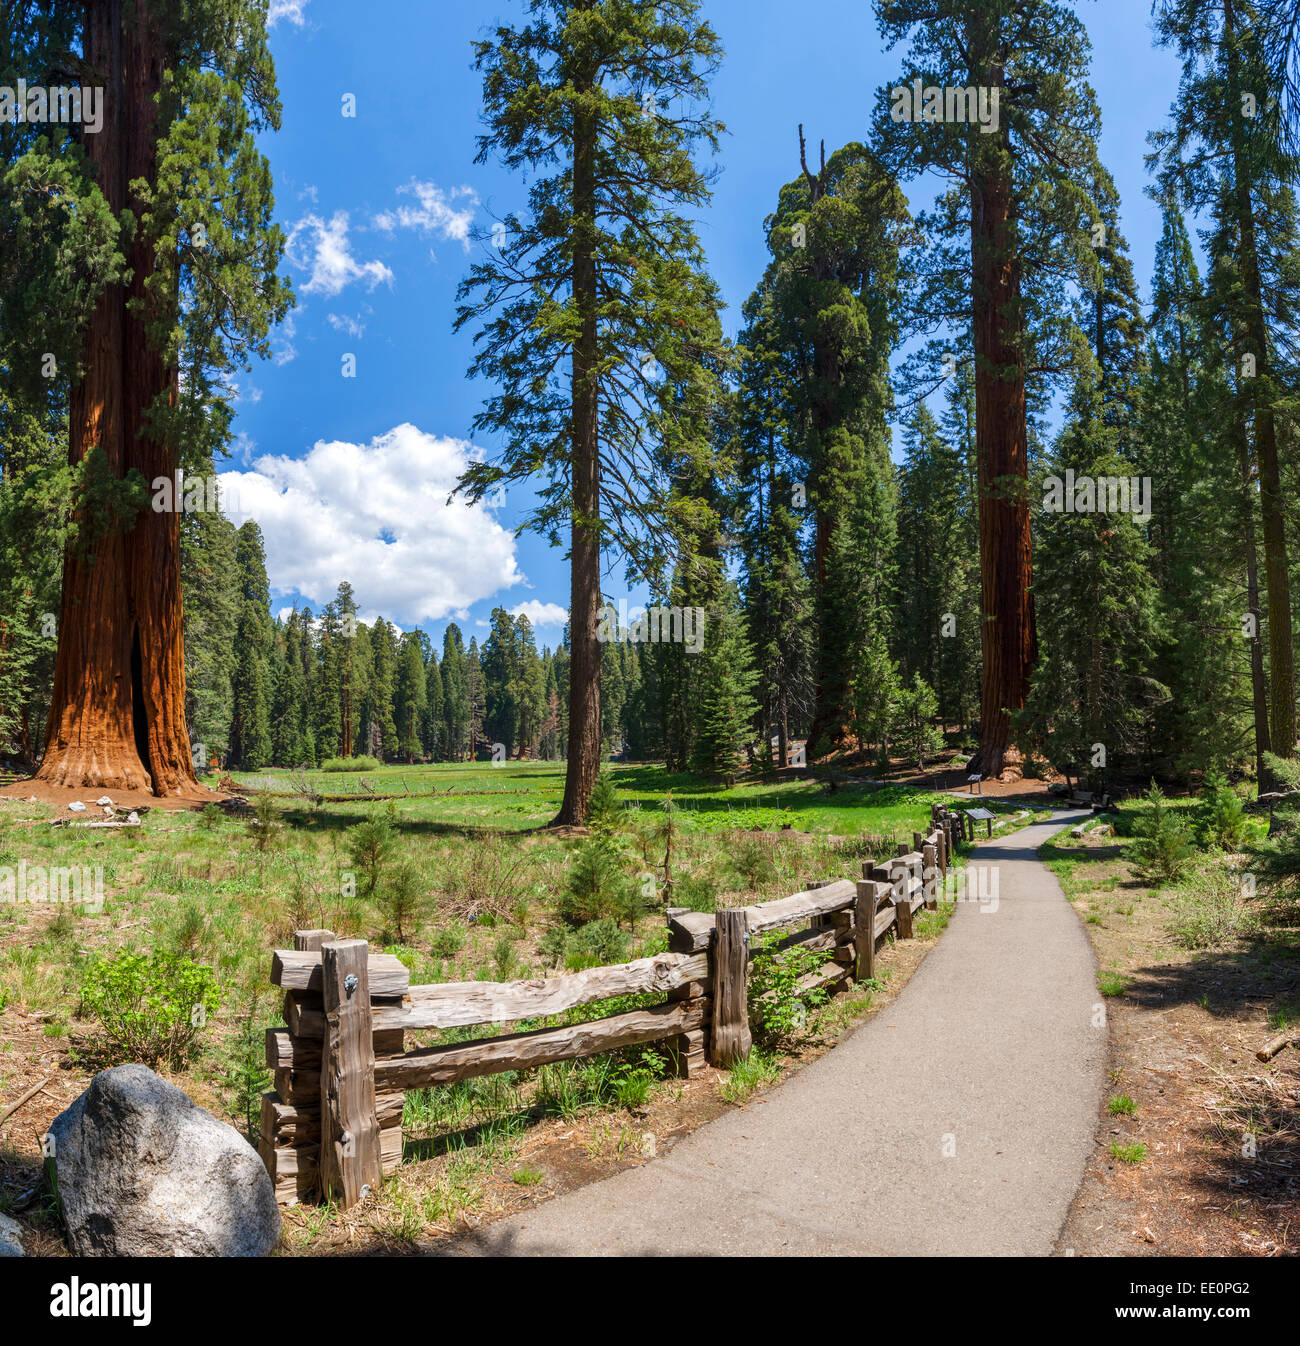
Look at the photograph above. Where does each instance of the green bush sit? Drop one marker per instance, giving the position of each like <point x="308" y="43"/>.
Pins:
<point x="778" y="1009"/>
<point x="1213" y="912"/>
<point x="599" y="885"/>
<point x="152" y="1006"/>
<point x="371" y="845"/>
<point x="1223" y="820"/>
<point x="447" y="941"/>
<point x="1163" y="847"/>
<point x="351" y="764"/>
<point x="753" y="862"/>
<point x="596" y="944"/>
<point x="697" y="891"/>
<point x="403" y="901"/>
<point x="605" y="813"/>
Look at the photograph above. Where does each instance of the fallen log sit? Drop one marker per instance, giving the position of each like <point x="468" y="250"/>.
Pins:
<point x="1291" y="1038"/>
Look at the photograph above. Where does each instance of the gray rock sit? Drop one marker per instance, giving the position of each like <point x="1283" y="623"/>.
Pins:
<point x="142" y="1171"/>
<point x="11" y="1240"/>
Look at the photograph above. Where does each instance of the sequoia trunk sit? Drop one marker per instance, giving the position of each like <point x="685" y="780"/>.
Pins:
<point x="117" y="715"/>
<point x="1008" y="637"/>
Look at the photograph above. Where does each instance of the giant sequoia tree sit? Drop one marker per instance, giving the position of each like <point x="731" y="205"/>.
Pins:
<point x="1008" y="230"/>
<point x="174" y="168"/>
<point x="833" y="284"/>
<point x="598" y="318"/>
<point x="1224" y="150"/>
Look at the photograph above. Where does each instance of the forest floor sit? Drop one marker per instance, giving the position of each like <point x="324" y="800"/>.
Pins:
<point x="1198" y="1146"/>
<point x="196" y="882"/>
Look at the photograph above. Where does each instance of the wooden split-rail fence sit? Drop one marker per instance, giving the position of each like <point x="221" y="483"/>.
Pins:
<point x="333" y="1125"/>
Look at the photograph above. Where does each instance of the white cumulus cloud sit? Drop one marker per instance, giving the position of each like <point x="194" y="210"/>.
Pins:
<point x="322" y="248"/>
<point x="376" y="515"/>
<point x="549" y="615"/>
<point x="286" y="9"/>
<point x="432" y="212"/>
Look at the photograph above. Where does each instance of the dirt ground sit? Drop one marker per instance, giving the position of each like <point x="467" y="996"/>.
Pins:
<point x="1221" y="1174"/>
<point x="61" y="797"/>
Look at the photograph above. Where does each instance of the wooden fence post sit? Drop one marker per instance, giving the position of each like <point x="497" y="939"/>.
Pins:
<point x="930" y="866"/>
<point x="730" y="1039"/>
<point x="864" y="935"/>
<point x="349" y="1158"/>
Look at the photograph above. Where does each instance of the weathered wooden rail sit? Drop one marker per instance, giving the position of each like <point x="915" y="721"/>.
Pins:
<point x="333" y="1125"/>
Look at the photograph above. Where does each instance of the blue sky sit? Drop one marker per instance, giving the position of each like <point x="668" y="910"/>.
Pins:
<point x="348" y="477"/>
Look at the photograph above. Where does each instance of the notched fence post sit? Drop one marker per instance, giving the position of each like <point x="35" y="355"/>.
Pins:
<point x="730" y="1037"/>
<point x="350" y="1158"/>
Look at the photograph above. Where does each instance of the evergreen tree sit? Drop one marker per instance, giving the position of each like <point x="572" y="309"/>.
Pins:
<point x="598" y="318"/>
<point x="1021" y="200"/>
<point x="250" y="730"/>
<point x="726" y="702"/>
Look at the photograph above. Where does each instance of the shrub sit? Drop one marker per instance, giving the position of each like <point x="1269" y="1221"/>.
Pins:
<point x="778" y="1009"/>
<point x="1163" y="847"/>
<point x="697" y="891"/>
<point x="599" y="885"/>
<point x="1222" y="820"/>
<point x="151" y="1006"/>
<point x="447" y="941"/>
<point x="370" y="848"/>
<point x="604" y="811"/>
<point x="1212" y="912"/>
<point x="264" y="826"/>
<point x="210" y="817"/>
<point x="596" y="944"/>
<point x="403" y="901"/>
<point x="753" y="862"/>
<point x="351" y="764"/>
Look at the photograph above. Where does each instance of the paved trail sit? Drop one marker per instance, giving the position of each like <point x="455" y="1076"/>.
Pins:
<point x="989" y="1049"/>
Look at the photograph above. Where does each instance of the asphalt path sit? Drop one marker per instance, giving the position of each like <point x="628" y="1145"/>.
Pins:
<point x="957" y="1120"/>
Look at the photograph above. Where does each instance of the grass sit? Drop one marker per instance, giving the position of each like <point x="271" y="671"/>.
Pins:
<point x="199" y="883"/>
<point x="1111" y="983"/>
<point x="748" y="1075"/>
<point x="1136" y="1153"/>
<point x="1121" y="1105"/>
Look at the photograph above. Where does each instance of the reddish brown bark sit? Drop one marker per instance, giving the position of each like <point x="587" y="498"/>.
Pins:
<point x="117" y="715"/>
<point x="1008" y="634"/>
<point x="583" y="761"/>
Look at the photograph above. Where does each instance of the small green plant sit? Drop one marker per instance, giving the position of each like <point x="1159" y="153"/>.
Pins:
<point x="778" y="1007"/>
<point x="1111" y="983"/>
<point x="605" y="811"/>
<point x="1135" y="1153"/>
<point x="596" y="944"/>
<point x="152" y="1006"/>
<point x="244" y="1069"/>
<point x="505" y="959"/>
<point x="528" y="1177"/>
<point x="696" y="891"/>
<point x="403" y="901"/>
<point x="745" y="1076"/>
<point x="1223" y="819"/>
<point x="1121" y="1105"/>
<point x="1163" y="847"/>
<point x="753" y="862"/>
<point x="447" y="941"/>
<point x="371" y="845"/>
<point x="210" y="817"/>
<point x="1211" y="911"/>
<point x="265" y="825"/>
<point x="599" y="885"/>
